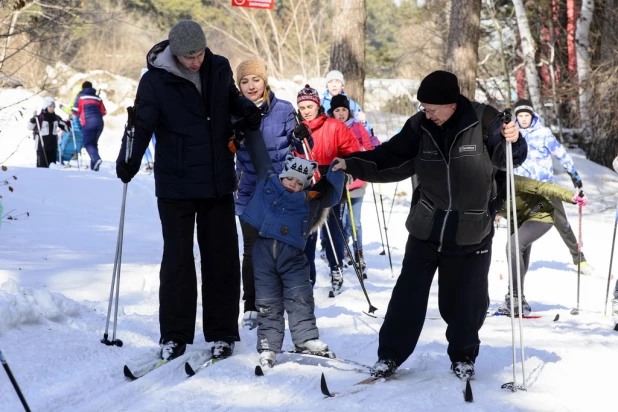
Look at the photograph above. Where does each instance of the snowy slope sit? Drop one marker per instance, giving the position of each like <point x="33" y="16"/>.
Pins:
<point x="56" y="266"/>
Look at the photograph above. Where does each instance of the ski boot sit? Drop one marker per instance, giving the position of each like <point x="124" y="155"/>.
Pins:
<point x="463" y="369"/>
<point x="384" y="368"/>
<point x="505" y="308"/>
<point x="315" y="347"/>
<point x="249" y="320"/>
<point x="222" y="349"/>
<point x="172" y="349"/>
<point x="267" y="359"/>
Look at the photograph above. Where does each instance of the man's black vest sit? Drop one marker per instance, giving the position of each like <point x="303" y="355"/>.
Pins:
<point x="463" y="184"/>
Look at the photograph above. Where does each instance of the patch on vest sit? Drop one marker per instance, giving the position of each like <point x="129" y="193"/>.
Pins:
<point x="467" y="148"/>
<point x="430" y="152"/>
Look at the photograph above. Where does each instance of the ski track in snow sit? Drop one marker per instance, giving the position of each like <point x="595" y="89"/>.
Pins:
<point x="56" y="266"/>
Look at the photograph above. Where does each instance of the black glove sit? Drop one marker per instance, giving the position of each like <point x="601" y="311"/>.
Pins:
<point x="577" y="180"/>
<point x="33" y="121"/>
<point x="349" y="179"/>
<point x="252" y="117"/>
<point x="302" y="132"/>
<point x="125" y="171"/>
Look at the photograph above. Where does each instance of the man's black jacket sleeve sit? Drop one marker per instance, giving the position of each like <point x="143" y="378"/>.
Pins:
<point x="392" y="161"/>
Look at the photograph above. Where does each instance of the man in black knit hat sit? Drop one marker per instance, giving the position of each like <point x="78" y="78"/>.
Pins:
<point x="453" y="146"/>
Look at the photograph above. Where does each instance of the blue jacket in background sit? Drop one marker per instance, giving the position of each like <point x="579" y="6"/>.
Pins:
<point x="280" y="214"/>
<point x="192" y="160"/>
<point x="277" y="127"/>
<point x="542" y="145"/>
<point x="354" y="108"/>
<point x="91" y="110"/>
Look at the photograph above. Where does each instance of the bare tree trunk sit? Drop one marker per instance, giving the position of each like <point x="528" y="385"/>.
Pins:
<point x="571" y="19"/>
<point x="583" y="67"/>
<point x="604" y="146"/>
<point x="505" y="68"/>
<point x="348" y="51"/>
<point x="14" y="18"/>
<point x="528" y="49"/>
<point x="462" y="50"/>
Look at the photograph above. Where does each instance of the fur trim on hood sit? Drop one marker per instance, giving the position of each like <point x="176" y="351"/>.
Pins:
<point x="320" y="221"/>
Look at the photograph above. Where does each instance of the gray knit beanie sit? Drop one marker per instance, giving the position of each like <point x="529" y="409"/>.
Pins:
<point x="187" y="38"/>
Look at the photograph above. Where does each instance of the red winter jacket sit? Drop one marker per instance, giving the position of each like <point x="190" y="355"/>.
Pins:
<point x="331" y="138"/>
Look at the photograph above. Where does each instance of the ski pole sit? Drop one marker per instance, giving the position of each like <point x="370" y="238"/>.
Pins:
<point x="74" y="146"/>
<point x="611" y="258"/>
<point x="575" y="311"/>
<point x="354" y="237"/>
<point x="388" y="247"/>
<point x="375" y="202"/>
<point x="130" y="130"/>
<point x="359" y="274"/>
<point x="14" y="382"/>
<point x="390" y="213"/>
<point x="41" y="140"/>
<point x="511" y="219"/>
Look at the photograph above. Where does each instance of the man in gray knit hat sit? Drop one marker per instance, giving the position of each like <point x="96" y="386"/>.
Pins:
<point x="186" y="98"/>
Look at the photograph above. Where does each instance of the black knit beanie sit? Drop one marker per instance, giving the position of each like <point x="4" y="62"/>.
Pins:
<point x="524" y="105"/>
<point x="439" y="87"/>
<point x="338" y="101"/>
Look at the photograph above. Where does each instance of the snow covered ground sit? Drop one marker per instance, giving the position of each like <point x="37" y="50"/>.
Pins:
<point x="55" y="273"/>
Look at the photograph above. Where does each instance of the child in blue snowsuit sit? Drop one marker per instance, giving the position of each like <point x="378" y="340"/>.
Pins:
<point x="286" y="210"/>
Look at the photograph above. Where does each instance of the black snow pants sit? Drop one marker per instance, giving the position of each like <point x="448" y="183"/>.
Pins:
<point x="220" y="266"/>
<point x="463" y="299"/>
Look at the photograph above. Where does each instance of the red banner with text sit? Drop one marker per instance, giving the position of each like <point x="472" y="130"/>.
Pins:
<point x="254" y="4"/>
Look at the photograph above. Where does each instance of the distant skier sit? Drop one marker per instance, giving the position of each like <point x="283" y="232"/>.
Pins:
<point x="542" y="145"/>
<point x="47" y="138"/>
<point x="335" y="85"/>
<point x="90" y="109"/>
<point x="535" y="212"/>
<point x="285" y="209"/>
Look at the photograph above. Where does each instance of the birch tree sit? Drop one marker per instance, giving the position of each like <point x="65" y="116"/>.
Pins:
<point x="462" y="51"/>
<point x="583" y="67"/>
<point x="528" y="53"/>
<point x="348" y="45"/>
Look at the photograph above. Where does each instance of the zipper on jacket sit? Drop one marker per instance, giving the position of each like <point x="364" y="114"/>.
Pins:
<point x="448" y="177"/>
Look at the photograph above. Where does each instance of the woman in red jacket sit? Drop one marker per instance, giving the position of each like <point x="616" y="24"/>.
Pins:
<point x="331" y="139"/>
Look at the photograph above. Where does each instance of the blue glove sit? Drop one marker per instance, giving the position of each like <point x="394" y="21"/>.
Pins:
<point x="577" y="180"/>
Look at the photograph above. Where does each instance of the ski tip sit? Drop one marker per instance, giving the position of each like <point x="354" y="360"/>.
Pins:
<point x="258" y="371"/>
<point x="557" y="317"/>
<point x="616" y="327"/>
<point x="468" y="392"/>
<point x="188" y="369"/>
<point x="369" y="314"/>
<point x="128" y="373"/>
<point x="324" y="387"/>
